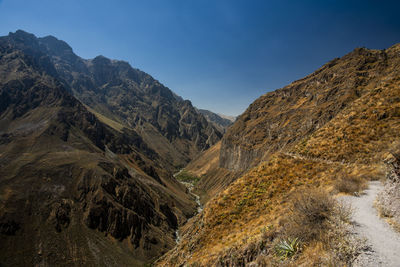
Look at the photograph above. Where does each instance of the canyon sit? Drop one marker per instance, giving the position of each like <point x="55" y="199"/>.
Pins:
<point x="102" y="165"/>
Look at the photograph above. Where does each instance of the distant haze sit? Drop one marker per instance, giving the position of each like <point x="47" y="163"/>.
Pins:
<point x="222" y="54"/>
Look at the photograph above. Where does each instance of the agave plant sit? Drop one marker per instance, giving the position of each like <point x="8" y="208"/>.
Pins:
<point x="287" y="248"/>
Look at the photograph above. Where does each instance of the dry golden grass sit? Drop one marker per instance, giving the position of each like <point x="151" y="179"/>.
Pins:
<point x="260" y="198"/>
<point x="362" y="133"/>
<point x="310" y="213"/>
<point x="253" y="204"/>
<point x="353" y="185"/>
<point x="321" y="224"/>
<point x="205" y="162"/>
<point x="104" y="119"/>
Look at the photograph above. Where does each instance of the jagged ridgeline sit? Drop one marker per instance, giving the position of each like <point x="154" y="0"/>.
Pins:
<point x="87" y="153"/>
<point x="276" y="166"/>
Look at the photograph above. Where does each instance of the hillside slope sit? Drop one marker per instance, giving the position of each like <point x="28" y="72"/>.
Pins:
<point x="330" y="131"/>
<point x="279" y="119"/>
<point x="212" y="178"/>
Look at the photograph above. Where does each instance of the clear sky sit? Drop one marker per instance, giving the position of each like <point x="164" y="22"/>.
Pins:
<point x="220" y="54"/>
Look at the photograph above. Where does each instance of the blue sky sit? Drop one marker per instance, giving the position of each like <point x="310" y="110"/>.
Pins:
<point x="220" y="54"/>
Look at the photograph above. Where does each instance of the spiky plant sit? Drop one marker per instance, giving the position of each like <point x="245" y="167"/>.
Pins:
<point x="286" y="248"/>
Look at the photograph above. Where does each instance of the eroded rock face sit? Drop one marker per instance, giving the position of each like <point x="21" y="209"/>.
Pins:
<point x="134" y="100"/>
<point x="60" y="215"/>
<point x="236" y="158"/>
<point x="123" y="208"/>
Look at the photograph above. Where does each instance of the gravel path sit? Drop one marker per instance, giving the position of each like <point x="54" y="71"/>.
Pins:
<point x="383" y="243"/>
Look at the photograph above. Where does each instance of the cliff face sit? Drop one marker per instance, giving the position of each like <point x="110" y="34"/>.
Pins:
<point x="279" y="119"/>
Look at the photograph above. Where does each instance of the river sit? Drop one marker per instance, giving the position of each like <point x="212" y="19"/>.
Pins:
<point x="190" y="187"/>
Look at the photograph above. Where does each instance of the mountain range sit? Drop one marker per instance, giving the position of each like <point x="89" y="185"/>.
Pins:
<point x="90" y="151"/>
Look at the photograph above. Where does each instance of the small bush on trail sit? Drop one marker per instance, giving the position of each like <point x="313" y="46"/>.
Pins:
<point x="350" y="185"/>
<point x="309" y="215"/>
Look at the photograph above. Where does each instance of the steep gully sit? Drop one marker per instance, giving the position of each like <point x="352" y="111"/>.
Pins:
<point x="190" y="187"/>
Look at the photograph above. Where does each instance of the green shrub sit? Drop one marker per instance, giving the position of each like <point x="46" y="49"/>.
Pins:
<point x="187" y="177"/>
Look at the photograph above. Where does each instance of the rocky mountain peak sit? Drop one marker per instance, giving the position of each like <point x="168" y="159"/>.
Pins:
<point x="101" y="60"/>
<point x="22" y="36"/>
<point x="55" y="46"/>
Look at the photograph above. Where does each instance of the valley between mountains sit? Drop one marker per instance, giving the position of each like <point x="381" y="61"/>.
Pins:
<point x="102" y="165"/>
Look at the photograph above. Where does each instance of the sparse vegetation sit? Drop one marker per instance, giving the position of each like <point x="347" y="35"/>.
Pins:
<point x="366" y="129"/>
<point x="187" y="177"/>
<point x="246" y="216"/>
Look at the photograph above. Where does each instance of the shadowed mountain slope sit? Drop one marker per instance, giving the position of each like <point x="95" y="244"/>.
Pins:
<point x="132" y="98"/>
<point x="89" y="185"/>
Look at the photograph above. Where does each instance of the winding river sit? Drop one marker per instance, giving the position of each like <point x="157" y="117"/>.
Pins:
<point x="190" y="187"/>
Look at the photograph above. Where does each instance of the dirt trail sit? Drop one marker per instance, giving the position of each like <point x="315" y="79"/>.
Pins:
<point x="382" y="241"/>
